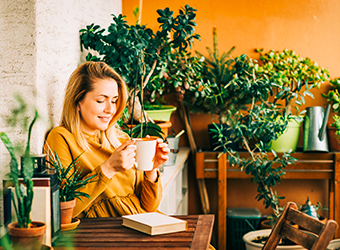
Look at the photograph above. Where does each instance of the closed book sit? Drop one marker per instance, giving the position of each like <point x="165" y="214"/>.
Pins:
<point x="154" y="223"/>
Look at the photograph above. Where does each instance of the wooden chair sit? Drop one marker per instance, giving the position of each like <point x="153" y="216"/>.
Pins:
<point x="323" y="232"/>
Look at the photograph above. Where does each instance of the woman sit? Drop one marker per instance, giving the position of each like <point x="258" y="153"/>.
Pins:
<point x="95" y="99"/>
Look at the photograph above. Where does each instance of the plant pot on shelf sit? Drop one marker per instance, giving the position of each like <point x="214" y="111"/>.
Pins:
<point x="289" y="139"/>
<point x="160" y="113"/>
<point x="66" y="211"/>
<point x="27" y="238"/>
<point x="333" y="139"/>
<point x="164" y="125"/>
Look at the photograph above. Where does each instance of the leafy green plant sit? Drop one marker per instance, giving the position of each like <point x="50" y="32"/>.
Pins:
<point x="311" y="209"/>
<point x="215" y="93"/>
<point x="333" y="95"/>
<point x="24" y="192"/>
<point x="141" y="55"/>
<point x="69" y="179"/>
<point x="123" y="44"/>
<point x="143" y="129"/>
<point x="258" y="124"/>
<point x="336" y="124"/>
<point x="293" y="75"/>
<point x="183" y="70"/>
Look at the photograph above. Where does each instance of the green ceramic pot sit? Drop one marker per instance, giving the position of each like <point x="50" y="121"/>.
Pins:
<point x="289" y="139"/>
<point x="162" y="113"/>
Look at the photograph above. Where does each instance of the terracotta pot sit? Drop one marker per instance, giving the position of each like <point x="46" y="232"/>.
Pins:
<point x="27" y="238"/>
<point x="333" y="141"/>
<point x="266" y="224"/>
<point x="164" y="125"/>
<point x="66" y="211"/>
<point x="322" y="219"/>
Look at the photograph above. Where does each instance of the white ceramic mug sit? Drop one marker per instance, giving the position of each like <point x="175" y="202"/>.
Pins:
<point x="145" y="153"/>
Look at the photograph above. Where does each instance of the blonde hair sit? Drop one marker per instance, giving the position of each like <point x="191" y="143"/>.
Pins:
<point x="79" y="84"/>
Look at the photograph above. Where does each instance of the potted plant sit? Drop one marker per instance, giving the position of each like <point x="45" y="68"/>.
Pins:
<point x="334" y="133"/>
<point x="70" y="182"/>
<point x="256" y="239"/>
<point x="307" y="207"/>
<point x="25" y="234"/>
<point x="141" y="55"/>
<point x="333" y="98"/>
<point x="228" y="89"/>
<point x="260" y="121"/>
<point x="213" y="90"/>
<point x="294" y="77"/>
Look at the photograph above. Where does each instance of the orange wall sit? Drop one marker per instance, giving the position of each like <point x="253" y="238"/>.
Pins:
<point x="310" y="27"/>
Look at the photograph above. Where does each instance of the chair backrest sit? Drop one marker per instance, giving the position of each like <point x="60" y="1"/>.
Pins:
<point x="319" y="240"/>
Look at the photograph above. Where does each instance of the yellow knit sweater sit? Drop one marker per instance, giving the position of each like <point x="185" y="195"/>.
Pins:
<point x="128" y="192"/>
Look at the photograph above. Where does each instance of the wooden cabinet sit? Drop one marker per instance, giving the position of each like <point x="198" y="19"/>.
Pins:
<point x="309" y="166"/>
<point x="175" y="185"/>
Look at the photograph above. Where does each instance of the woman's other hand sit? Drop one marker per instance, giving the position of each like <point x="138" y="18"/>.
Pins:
<point x="161" y="153"/>
<point x="160" y="157"/>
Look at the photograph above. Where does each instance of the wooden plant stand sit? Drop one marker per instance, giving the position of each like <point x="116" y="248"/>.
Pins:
<point x="318" y="166"/>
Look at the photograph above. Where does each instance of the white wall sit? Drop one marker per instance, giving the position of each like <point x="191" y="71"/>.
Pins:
<point x="39" y="49"/>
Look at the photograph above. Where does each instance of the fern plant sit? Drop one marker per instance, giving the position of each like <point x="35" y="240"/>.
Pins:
<point x="24" y="192"/>
<point x="218" y="91"/>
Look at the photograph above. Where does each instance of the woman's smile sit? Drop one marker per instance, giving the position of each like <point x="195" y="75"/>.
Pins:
<point x="98" y="106"/>
<point x="105" y="118"/>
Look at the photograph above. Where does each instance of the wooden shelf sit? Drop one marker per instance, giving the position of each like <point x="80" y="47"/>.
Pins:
<point x="318" y="166"/>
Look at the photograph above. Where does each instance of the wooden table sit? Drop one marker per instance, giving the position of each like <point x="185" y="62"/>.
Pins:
<point x="322" y="166"/>
<point x="108" y="233"/>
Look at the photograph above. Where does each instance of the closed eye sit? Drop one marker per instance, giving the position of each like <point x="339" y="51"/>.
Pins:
<point x="114" y="100"/>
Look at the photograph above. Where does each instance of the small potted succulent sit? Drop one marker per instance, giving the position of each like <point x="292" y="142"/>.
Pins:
<point x="294" y="77"/>
<point x="25" y="234"/>
<point x="69" y="184"/>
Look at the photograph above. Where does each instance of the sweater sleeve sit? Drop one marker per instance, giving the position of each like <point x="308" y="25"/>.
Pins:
<point x="150" y="193"/>
<point x="62" y="142"/>
<point x="97" y="186"/>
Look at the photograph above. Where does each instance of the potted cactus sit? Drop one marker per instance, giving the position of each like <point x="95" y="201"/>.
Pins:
<point x="25" y="234"/>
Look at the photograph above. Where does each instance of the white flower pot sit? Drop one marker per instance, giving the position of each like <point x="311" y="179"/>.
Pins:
<point x="334" y="244"/>
<point x="248" y="237"/>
